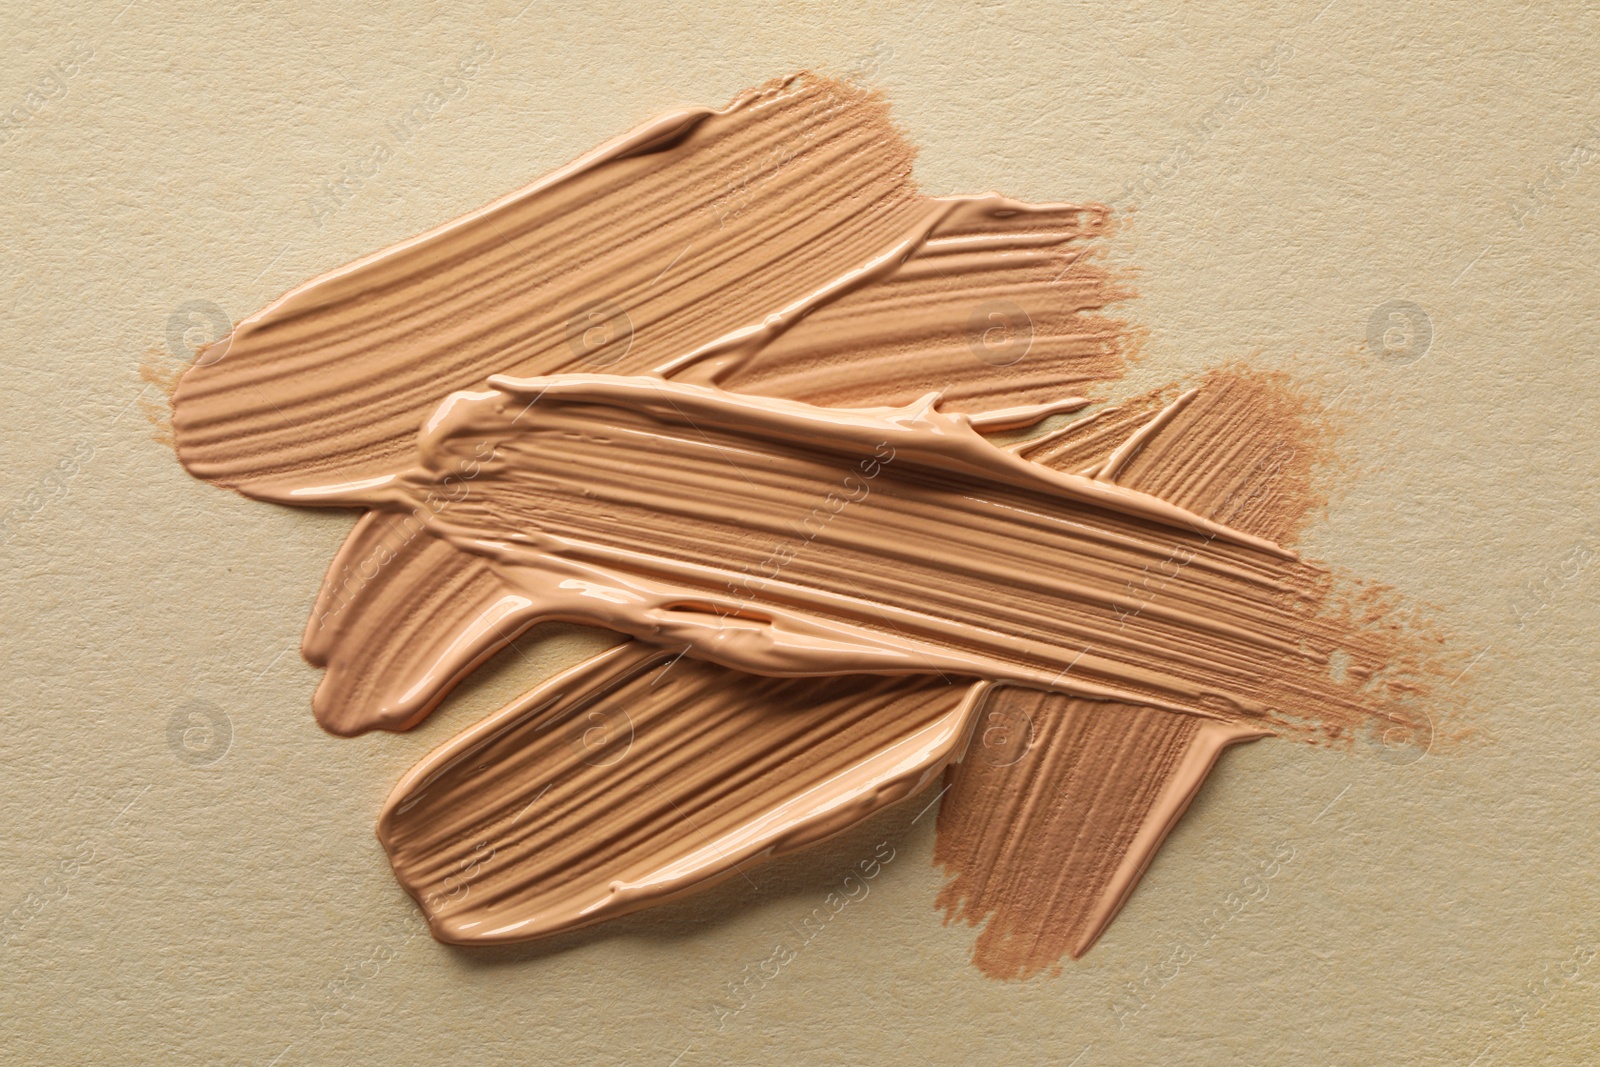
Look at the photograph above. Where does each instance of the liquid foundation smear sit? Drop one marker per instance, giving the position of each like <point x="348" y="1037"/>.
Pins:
<point x="730" y="387"/>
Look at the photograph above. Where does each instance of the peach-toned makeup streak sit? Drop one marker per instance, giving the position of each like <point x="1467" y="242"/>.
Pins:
<point x="729" y="387"/>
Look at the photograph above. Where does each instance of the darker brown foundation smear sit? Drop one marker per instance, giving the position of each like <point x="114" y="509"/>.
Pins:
<point x="818" y="448"/>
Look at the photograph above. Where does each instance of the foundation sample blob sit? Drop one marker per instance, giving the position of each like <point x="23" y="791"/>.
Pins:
<point x="731" y="388"/>
<point x="482" y="830"/>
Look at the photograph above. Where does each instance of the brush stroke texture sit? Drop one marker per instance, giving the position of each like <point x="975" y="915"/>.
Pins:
<point x="722" y="386"/>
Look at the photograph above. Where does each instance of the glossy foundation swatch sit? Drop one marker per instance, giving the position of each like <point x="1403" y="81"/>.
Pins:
<point x="729" y="387"/>
<point x="482" y="830"/>
<point x="697" y="226"/>
<point x="1059" y="786"/>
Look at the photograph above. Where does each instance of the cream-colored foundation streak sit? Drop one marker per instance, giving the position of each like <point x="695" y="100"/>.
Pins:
<point x="1047" y="832"/>
<point x="785" y="539"/>
<point x="401" y="618"/>
<point x="728" y="387"/>
<point x="642" y="775"/>
<point x="688" y="229"/>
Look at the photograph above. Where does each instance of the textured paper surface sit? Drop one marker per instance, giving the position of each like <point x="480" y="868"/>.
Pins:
<point x="189" y="870"/>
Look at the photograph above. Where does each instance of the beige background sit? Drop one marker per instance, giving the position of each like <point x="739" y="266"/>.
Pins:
<point x="1293" y="168"/>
